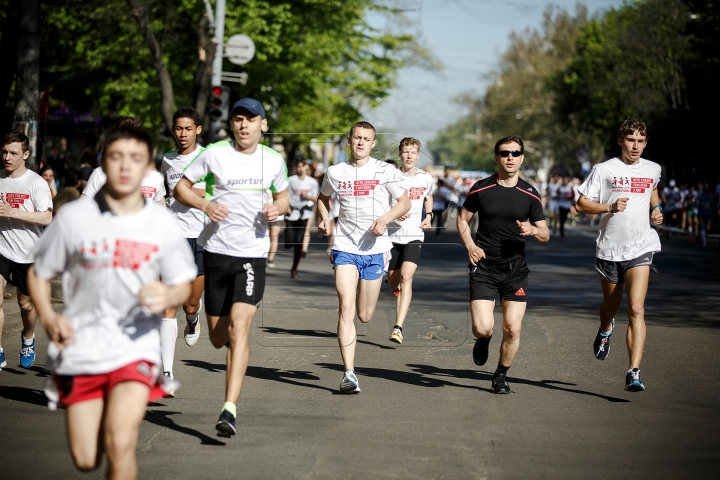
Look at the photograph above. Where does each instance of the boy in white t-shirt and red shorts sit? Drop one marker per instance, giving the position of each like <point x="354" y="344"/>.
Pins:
<point x="127" y="261"/>
<point x="361" y="245"/>
<point x="623" y="190"/>
<point x="25" y="207"/>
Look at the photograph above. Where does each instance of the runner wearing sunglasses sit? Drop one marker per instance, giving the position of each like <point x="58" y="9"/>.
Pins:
<point x="509" y="209"/>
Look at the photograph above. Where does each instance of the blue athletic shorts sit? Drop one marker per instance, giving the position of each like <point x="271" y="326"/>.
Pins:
<point x="370" y="267"/>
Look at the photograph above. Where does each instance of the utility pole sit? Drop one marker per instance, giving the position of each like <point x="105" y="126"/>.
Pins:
<point x="27" y="82"/>
<point x="216" y="125"/>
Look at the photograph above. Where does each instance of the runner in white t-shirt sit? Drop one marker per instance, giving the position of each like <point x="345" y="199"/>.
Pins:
<point x="25" y="207"/>
<point x="186" y="128"/>
<point x="624" y="190"/>
<point x="128" y="262"/>
<point x="236" y="241"/>
<point x="361" y="244"/>
<point x="153" y="185"/>
<point x="408" y="232"/>
<point x="303" y="193"/>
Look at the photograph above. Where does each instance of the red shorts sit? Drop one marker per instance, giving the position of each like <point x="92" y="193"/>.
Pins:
<point x="81" y="388"/>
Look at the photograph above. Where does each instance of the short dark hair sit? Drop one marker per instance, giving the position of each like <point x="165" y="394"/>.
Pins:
<point x="366" y="125"/>
<point x="187" y="112"/>
<point x="632" y="125"/>
<point x="18" y="137"/>
<point x="71" y="178"/>
<point x="126" y="133"/>
<point x="128" y="122"/>
<point x="511" y="138"/>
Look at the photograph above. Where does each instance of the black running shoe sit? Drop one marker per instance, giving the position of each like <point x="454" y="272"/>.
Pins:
<point x="225" y="425"/>
<point x="632" y="381"/>
<point x="601" y="345"/>
<point x="480" y="350"/>
<point x="499" y="383"/>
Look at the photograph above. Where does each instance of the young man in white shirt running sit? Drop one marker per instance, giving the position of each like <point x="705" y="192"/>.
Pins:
<point x="186" y="128"/>
<point x="407" y="232"/>
<point x="361" y="245"/>
<point x="25" y="207"/>
<point x="303" y="193"/>
<point x="128" y="262"/>
<point x="236" y="239"/>
<point x="623" y="190"/>
<point x="153" y="183"/>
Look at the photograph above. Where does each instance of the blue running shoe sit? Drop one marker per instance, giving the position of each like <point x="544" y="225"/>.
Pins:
<point x="601" y="346"/>
<point x="3" y="361"/>
<point x="632" y="381"/>
<point x="27" y="353"/>
<point x="225" y="425"/>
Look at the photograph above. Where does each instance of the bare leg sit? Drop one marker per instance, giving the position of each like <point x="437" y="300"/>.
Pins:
<point x="3" y="284"/>
<point x="407" y="270"/>
<point x="513" y="313"/>
<point x="306" y="235"/>
<point x="482" y="317"/>
<point x="84" y="433"/>
<point x="197" y="287"/>
<point x="125" y="410"/>
<point x="28" y="315"/>
<point x="636" y="283"/>
<point x="274" y="237"/>
<point x="612" y="298"/>
<point x="346" y="280"/>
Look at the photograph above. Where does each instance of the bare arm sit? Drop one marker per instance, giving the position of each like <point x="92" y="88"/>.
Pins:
<point x="183" y="193"/>
<point x="57" y="326"/>
<point x="157" y="296"/>
<point x="427" y="221"/>
<point x="323" y="206"/>
<point x="656" y="214"/>
<point x="585" y="205"/>
<point x="281" y="203"/>
<point x="35" y="218"/>
<point x="475" y="253"/>
<point x="538" y="230"/>
<point x="402" y="206"/>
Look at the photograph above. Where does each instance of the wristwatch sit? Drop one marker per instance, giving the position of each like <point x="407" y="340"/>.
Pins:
<point x="432" y="215"/>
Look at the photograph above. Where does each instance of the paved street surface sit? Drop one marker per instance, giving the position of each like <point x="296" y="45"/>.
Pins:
<point x="426" y="410"/>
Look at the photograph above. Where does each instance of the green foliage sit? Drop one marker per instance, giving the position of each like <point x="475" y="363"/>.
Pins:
<point x="457" y="146"/>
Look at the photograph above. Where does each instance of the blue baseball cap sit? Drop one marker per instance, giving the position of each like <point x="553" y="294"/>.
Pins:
<point x="249" y="104"/>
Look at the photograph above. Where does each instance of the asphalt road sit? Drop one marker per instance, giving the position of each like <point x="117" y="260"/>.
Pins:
<point x="426" y="410"/>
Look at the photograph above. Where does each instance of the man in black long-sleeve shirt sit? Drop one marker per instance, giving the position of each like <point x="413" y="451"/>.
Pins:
<point x="509" y="209"/>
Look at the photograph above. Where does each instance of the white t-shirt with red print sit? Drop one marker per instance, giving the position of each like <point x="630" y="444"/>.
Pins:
<point x="419" y="187"/>
<point x="624" y="235"/>
<point x="108" y="258"/>
<point x="364" y="195"/>
<point x="28" y="193"/>
<point x="153" y="184"/>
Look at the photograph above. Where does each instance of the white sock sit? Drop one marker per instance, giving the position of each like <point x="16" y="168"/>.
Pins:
<point x="1" y="350"/>
<point x="168" y="337"/>
<point x="28" y="341"/>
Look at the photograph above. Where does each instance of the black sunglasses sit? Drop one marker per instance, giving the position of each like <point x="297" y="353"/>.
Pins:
<point x="514" y="153"/>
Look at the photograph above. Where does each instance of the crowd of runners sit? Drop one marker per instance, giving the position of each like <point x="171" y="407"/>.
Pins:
<point x="199" y="234"/>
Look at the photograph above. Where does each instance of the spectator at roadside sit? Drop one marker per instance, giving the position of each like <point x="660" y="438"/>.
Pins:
<point x="49" y="176"/>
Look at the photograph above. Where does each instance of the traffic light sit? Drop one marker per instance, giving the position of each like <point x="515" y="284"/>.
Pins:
<point x="219" y="103"/>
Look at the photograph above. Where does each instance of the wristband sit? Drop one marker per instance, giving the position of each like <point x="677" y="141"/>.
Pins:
<point x="432" y="215"/>
<point x="659" y="207"/>
<point x="609" y="207"/>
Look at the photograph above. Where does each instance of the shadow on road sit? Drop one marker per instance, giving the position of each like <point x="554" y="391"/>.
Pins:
<point x="26" y="395"/>
<point x="318" y="334"/>
<point x="162" y="418"/>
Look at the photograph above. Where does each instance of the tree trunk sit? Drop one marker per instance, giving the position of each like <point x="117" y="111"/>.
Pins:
<point x="203" y="72"/>
<point x="166" y="88"/>
<point x="27" y="83"/>
<point x="8" y="55"/>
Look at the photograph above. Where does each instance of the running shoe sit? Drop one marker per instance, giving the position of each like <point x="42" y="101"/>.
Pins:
<point x="499" y="383"/>
<point x="480" y="350"/>
<point x="3" y="361"/>
<point x="271" y="263"/>
<point x="396" y="292"/>
<point x="192" y="330"/>
<point x="27" y="353"/>
<point x="349" y="383"/>
<point x="396" y="335"/>
<point x="632" y="381"/>
<point x="225" y="425"/>
<point x="170" y="393"/>
<point x="601" y="346"/>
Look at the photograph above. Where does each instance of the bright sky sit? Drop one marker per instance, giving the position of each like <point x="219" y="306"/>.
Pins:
<point x="467" y="36"/>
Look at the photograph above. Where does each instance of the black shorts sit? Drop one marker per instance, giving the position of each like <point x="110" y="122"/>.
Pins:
<point x="294" y="232"/>
<point x="509" y="279"/>
<point x="15" y="274"/>
<point x="405" y="252"/>
<point x="230" y="280"/>
<point x="614" y="272"/>
<point x="197" y="252"/>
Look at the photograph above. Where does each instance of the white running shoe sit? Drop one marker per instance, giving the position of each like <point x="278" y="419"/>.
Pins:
<point x="192" y="331"/>
<point x="349" y="383"/>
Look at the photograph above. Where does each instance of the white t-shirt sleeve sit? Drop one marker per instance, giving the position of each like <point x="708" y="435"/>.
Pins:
<point x="327" y="183"/>
<point x="160" y="194"/>
<point x="396" y="183"/>
<point x="50" y="252"/>
<point x="592" y="186"/>
<point x="177" y="264"/>
<point x="95" y="182"/>
<point x="280" y="182"/>
<point x="198" y="168"/>
<point x="41" y="196"/>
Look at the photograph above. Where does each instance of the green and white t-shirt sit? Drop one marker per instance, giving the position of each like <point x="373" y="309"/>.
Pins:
<point x="191" y="220"/>
<point x="240" y="182"/>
